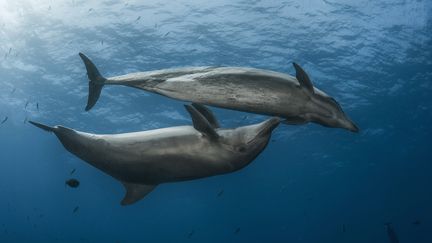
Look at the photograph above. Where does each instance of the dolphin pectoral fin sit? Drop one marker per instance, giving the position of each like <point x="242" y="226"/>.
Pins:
<point x="200" y="123"/>
<point x="208" y="114"/>
<point x="295" y="120"/>
<point x="303" y="78"/>
<point x="135" y="192"/>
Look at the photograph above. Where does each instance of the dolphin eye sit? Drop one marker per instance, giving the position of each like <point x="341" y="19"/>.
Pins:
<point x="241" y="149"/>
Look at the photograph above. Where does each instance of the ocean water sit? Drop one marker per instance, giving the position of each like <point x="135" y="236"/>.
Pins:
<point x="312" y="183"/>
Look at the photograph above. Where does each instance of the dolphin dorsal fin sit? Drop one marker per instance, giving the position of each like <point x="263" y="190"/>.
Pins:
<point x="303" y="78"/>
<point x="208" y="114"/>
<point x="200" y="123"/>
<point x="135" y="192"/>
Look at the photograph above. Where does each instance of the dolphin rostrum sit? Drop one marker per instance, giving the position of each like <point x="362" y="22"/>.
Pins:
<point x="143" y="160"/>
<point x="238" y="88"/>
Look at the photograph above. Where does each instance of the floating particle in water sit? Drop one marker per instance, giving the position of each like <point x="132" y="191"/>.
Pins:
<point x="220" y="193"/>
<point x="191" y="234"/>
<point x="5" y="119"/>
<point x="237" y="230"/>
<point x="139" y="17"/>
<point x="391" y="233"/>
<point x="75" y="209"/>
<point x="72" y="171"/>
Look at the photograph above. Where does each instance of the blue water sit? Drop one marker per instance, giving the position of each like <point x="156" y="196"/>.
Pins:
<point x="311" y="182"/>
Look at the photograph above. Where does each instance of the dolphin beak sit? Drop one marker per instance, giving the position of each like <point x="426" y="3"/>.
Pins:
<point x="354" y="128"/>
<point x="268" y="126"/>
<point x="350" y="125"/>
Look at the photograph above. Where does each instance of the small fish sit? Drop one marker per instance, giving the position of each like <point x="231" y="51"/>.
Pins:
<point x="10" y="50"/>
<point x="37" y="106"/>
<point x="191" y="234"/>
<point x="5" y="119"/>
<point x="167" y="33"/>
<point x="75" y="209"/>
<point x="237" y="230"/>
<point x="72" y="171"/>
<point x="220" y="193"/>
<point x="90" y="9"/>
<point x="13" y="91"/>
<point x="25" y="107"/>
<point x="74" y="183"/>
<point x="416" y="222"/>
<point x="139" y="17"/>
<point x="391" y="233"/>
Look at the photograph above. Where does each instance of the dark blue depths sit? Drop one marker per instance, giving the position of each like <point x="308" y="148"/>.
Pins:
<point x="311" y="184"/>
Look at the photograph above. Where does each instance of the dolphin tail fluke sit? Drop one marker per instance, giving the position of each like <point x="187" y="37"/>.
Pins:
<point x="42" y="126"/>
<point x="96" y="81"/>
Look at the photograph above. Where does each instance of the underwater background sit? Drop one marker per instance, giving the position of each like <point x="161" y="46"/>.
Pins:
<point x="311" y="184"/>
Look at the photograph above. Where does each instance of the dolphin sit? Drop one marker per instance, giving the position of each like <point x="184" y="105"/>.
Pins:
<point x="252" y="90"/>
<point x="143" y="160"/>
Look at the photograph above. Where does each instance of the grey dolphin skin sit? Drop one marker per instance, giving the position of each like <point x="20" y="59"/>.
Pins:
<point x="238" y="88"/>
<point x="143" y="160"/>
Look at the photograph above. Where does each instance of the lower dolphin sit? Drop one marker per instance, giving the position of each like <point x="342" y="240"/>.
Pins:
<point x="143" y="160"/>
<point x="245" y="89"/>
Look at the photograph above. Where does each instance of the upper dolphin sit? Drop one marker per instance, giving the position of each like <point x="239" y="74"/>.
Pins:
<point x="142" y="160"/>
<point x="259" y="91"/>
